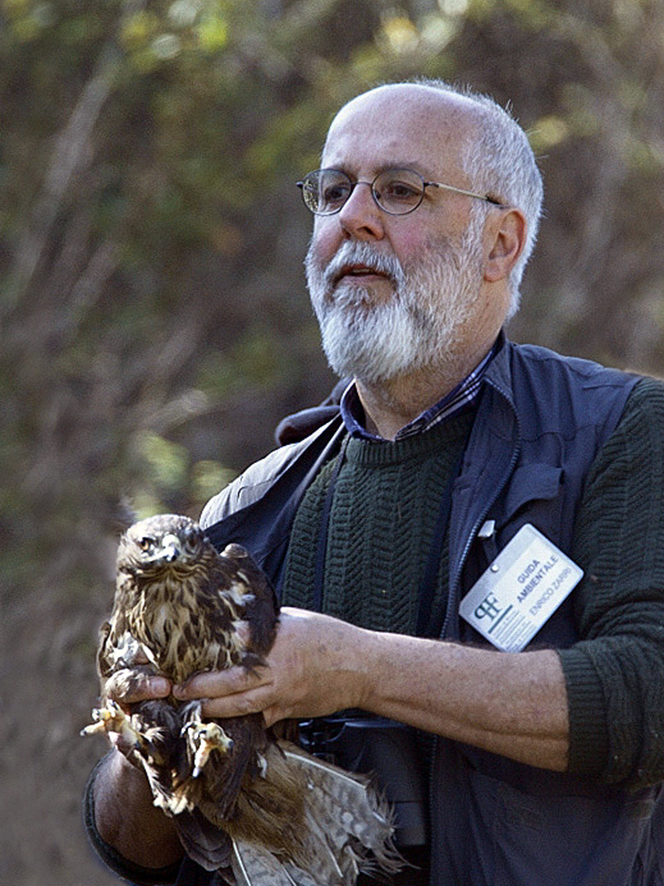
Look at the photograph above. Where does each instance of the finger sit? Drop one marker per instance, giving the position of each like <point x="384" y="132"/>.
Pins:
<point x="272" y="715"/>
<point x="212" y="684"/>
<point x="238" y="705"/>
<point x="261" y="700"/>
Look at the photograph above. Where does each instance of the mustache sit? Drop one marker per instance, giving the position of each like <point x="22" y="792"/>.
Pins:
<point x="365" y="254"/>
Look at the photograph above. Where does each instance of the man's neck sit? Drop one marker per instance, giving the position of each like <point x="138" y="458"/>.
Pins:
<point x="391" y="405"/>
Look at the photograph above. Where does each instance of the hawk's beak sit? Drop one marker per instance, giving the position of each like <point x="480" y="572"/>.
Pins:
<point x="170" y="549"/>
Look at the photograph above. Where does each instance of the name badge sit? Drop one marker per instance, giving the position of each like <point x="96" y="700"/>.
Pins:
<point x="520" y="590"/>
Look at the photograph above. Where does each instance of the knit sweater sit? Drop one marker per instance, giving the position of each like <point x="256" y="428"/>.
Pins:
<point x="385" y="507"/>
<point x="390" y="490"/>
<point x="616" y="709"/>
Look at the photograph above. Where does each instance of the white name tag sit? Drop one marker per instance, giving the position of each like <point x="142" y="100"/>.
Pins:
<point x="520" y="591"/>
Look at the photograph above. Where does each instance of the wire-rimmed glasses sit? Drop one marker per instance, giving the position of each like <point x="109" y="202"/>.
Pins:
<point x="396" y="191"/>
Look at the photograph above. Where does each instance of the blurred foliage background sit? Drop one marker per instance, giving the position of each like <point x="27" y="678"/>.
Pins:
<point x="154" y="324"/>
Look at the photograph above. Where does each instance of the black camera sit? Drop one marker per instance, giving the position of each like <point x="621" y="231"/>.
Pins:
<point x="386" y="750"/>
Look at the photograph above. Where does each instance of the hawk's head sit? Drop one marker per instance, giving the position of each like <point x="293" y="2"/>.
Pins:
<point x="167" y="542"/>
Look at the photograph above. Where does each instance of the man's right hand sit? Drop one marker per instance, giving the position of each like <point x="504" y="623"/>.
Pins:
<point x="125" y="688"/>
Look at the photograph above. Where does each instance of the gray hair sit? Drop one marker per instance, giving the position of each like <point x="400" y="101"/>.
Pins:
<point x="501" y="163"/>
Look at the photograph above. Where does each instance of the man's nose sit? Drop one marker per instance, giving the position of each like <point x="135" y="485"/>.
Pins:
<point x="360" y="216"/>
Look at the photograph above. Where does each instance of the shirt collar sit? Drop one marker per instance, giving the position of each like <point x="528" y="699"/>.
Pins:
<point x="460" y="397"/>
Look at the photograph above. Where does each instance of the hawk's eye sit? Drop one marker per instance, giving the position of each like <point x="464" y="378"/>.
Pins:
<point x="189" y="545"/>
<point x="145" y="543"/>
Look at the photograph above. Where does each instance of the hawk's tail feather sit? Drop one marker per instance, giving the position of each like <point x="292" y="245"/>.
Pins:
<point x="340" y="829"/>
<point x="353" y="817"/>
<point x="253" y="865"/>
<point x="204" y="843"/>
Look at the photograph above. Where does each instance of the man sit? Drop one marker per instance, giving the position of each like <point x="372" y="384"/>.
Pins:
<point x="389" y="528"/>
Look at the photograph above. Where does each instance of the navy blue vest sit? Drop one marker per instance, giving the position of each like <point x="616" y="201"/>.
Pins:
<point x="540" y="423"/>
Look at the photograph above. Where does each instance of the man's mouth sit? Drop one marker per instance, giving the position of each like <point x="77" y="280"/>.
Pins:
<point x="358" y="270"/>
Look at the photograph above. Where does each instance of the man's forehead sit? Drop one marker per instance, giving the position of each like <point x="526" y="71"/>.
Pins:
<point x="393" y="123"/>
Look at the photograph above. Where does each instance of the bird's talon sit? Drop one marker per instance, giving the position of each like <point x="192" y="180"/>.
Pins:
<point x="205" y="738"/>
<point x="112" y="719"/>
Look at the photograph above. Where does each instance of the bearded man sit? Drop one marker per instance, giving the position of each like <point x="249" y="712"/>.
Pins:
<point x="470" y="554"/>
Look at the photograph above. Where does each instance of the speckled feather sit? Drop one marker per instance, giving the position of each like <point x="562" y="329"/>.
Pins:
<point x="185" y="611"/>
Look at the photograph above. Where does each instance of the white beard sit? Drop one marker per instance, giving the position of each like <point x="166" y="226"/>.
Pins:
<point x="417" y="328"/>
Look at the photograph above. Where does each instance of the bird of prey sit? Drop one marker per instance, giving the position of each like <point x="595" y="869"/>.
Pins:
<point x="254" y="807"/>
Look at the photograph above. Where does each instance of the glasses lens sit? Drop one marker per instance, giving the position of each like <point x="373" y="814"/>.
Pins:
<point x="398" y="191"/>
<point x="326" y="190"/>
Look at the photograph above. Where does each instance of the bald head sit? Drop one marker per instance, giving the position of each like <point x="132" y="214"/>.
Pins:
<point x="438" y="124"/>
<point x="421" y="104"/>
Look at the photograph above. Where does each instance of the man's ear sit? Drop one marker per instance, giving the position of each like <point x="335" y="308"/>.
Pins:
<point x="507" y="237"/>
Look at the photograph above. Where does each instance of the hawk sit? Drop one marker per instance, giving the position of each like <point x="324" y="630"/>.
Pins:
<point x="245" y="802"/>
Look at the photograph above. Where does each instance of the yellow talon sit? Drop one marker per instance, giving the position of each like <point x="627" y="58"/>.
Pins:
<point x="206" y="738"/>
<point x="112" y="718"/>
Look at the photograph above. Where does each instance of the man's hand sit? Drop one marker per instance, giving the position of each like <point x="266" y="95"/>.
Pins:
<point x="129" y="686"/>
<point x="510" y="704"/>
<point x="125" y="815"/>
<point x="309" y="672"/>
<point x="126" y="687"/>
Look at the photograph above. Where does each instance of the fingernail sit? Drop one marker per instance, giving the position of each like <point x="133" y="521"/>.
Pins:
<point x="159" y="685"/>
<point x="179" y="692"/>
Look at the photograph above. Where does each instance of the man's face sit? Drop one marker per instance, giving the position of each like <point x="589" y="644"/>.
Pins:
<point x="398" y="293"/>
<point x="417" y="326"/>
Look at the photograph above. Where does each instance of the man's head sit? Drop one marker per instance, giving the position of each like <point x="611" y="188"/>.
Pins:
<point x="403" y="292"/>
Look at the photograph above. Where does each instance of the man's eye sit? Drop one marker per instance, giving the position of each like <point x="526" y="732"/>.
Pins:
<point x="335" y="193"/>
<point x="401" y="191"/>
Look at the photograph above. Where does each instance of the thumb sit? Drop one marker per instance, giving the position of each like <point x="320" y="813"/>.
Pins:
<point x="130" y="686"/>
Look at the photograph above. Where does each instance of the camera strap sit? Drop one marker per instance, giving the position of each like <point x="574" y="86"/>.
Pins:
<point x="426" y="626"/>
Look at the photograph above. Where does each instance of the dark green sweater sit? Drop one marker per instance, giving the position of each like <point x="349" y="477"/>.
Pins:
<point x="616" y="708"/>
<point x="385" y="506"/>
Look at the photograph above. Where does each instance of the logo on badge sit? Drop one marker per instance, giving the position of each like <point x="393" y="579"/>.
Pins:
<point x="488" y="607"/>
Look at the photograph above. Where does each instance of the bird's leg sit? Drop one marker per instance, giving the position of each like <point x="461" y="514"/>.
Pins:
<point x="209" y="736"/>
<point x="112" y="719"/>
<point x="203" y="738"/>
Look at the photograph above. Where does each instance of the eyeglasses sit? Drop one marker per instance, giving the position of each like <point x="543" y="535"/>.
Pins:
<point x="396" y="191"/>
